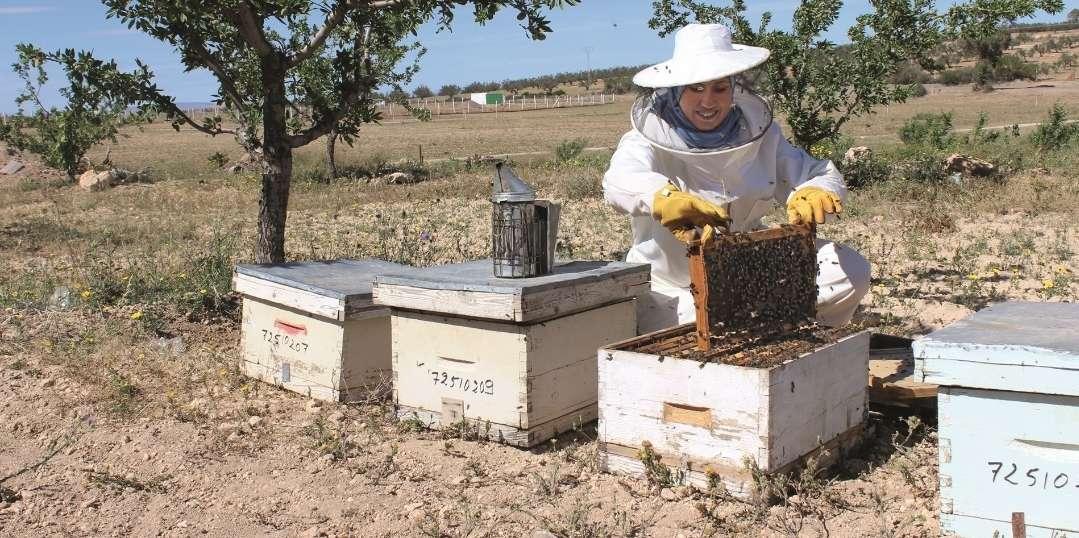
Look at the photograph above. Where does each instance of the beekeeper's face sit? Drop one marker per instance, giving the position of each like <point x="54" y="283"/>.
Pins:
<point x="706" y="104"/>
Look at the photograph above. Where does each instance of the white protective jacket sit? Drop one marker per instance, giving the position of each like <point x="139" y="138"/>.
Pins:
<point x="760" y="169"/>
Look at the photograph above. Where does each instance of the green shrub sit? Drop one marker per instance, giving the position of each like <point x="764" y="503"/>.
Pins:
<point x="867" y="171"/>
<point x="911" y="73"/>
<point x="929" y="130"/>
<point x="568" y="150"/>
<point x="923" y="167"/>
<point x="1010" y="67"/>
<point x="954" y="77"/>
<point x="1056" y="132"/>
<point x="218" y="159"/>
<point x="918" y="90"/>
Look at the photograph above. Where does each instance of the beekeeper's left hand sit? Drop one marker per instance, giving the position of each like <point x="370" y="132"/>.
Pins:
<point x="810" y="204"/>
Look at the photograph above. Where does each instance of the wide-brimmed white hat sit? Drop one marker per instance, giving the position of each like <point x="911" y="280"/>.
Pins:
<point x="702" y="52"/>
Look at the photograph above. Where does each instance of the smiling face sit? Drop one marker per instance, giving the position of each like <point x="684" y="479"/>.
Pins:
<point x="706" y="104"/>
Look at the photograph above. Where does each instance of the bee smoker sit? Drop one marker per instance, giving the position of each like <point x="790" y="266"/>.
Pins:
<point x="523" y="229"/>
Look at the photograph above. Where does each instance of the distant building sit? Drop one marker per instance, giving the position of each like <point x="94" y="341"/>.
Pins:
<point x="487" y="98"/>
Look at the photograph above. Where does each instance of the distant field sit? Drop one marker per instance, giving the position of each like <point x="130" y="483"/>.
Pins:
<point x="602" y="125"/>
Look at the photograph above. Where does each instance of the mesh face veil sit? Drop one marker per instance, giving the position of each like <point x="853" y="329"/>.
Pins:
<point x="756" y="119"/>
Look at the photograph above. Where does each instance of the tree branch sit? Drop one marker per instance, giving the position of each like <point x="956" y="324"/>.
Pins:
<point x="227" y="84"/>
<point x="178" y="113"/>
<point x="332" y="20"/>
<point x="251" y="30"/>
<point x="349" y="95"/>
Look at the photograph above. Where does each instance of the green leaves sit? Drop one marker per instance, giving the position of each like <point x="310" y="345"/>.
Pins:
<point x="820" y="86"/>
<point x="95" y="108"/>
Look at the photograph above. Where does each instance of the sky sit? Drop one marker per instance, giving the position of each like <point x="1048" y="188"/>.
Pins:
<point x="595" y="33"/>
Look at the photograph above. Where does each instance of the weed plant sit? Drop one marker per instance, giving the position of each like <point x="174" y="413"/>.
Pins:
<point x="567" y="150"/>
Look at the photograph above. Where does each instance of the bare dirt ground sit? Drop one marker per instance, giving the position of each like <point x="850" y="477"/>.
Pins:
<point x="109" y="425"/>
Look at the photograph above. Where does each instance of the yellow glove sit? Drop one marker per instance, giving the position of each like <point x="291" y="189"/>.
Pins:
<point x="810" y="204"/>
<point x="682" y="213"/>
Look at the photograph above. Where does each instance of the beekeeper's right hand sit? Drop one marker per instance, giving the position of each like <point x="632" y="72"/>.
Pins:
<point x="682" y="213"/>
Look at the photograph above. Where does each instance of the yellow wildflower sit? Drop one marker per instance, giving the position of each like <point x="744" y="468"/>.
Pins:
<point x="1048" y="283"/>
<point x="86" y="294"/>
<point x="136" y="315"/>
<point x="973" y="276"/>
<point x="183" y="276"/>
<point x="1062" y="270"/>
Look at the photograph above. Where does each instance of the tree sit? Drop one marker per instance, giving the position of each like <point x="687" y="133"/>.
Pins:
<point x="61" y="137"/>
<point x="820" y="86"/>
<point x="422" y="92"/>
<point x="449" y="90"/>
<point x="1073" y="16"/>
<point x="254" y="49"/>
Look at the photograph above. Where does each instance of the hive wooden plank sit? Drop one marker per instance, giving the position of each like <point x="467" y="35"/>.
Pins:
<point x="335" y="289"/>
<point x="313" y="355"/>
<point x="521" y="382"/>
<point x="711" y="417"/>
<point x="469" y="289"/>
<point x="1015" y="346"/>
<point x="1003" y="452"/>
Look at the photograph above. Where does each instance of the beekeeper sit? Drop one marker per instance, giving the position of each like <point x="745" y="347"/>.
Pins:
<point x="704" y="157"/>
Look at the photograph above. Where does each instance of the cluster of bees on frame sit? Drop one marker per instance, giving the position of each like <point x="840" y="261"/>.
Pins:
<point x="763" y="285"/>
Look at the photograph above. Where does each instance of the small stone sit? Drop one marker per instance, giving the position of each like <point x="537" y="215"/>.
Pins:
<point x="967" y="165"/>
<point x="226" y="427"/>
<point x="233" y="437"/>
<point x="90" y="503"/>
<point x="48" y="382"/>
<point x="174" y="346"/>
<point x="668" y="494"/>
<point x="146" y="456"/>
<point x="182" y="524"/>
<point x="11" y="167"/>
<point x="475" y="480"/>
<point x="542" y="533"/>
<point x="62" y="298"/>
<point x="856" y="154"/>
<point x="327" y="458"/>
<point x="313" y="406"/>
<point x="460" y="479"/>
<point x="337" y="416"/>
<point x="254" y="421"/>
<point x="416" y="516"/>
<point x="95" y="181"/>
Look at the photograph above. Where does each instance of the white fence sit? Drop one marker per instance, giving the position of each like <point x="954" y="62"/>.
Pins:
<point x="441" y="107"/>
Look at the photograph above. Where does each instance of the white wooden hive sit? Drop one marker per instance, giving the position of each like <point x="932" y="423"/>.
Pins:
<point x="1008" y="410"/>
<point x="513" y="358"/>
<point x="312" y="328"/>
<point x="707" y="420"/>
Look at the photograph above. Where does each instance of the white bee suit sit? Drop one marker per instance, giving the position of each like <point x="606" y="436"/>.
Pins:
<point x="748" y="176"/>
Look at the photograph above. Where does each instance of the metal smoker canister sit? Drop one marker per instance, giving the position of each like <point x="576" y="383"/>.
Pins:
<point x="523" y="229"/>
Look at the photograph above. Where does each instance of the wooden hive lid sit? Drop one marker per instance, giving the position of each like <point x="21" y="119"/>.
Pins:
<point x="1013" y="346"/>
<point x="470" y="289"/>
<point x="336" y="289"/>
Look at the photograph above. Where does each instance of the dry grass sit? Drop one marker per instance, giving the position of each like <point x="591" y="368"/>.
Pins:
<point x="168" y="430"/>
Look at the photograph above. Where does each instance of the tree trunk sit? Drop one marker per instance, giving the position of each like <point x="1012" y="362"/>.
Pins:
<point x="331" y="158"/>
<point x="277" y="174"/>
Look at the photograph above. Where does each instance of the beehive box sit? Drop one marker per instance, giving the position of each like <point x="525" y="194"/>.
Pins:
<point x="1008" y="410"/>
<point x="515" y="359"/>
<point x="706" y="419"/>
<point x="312" y="328"/>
